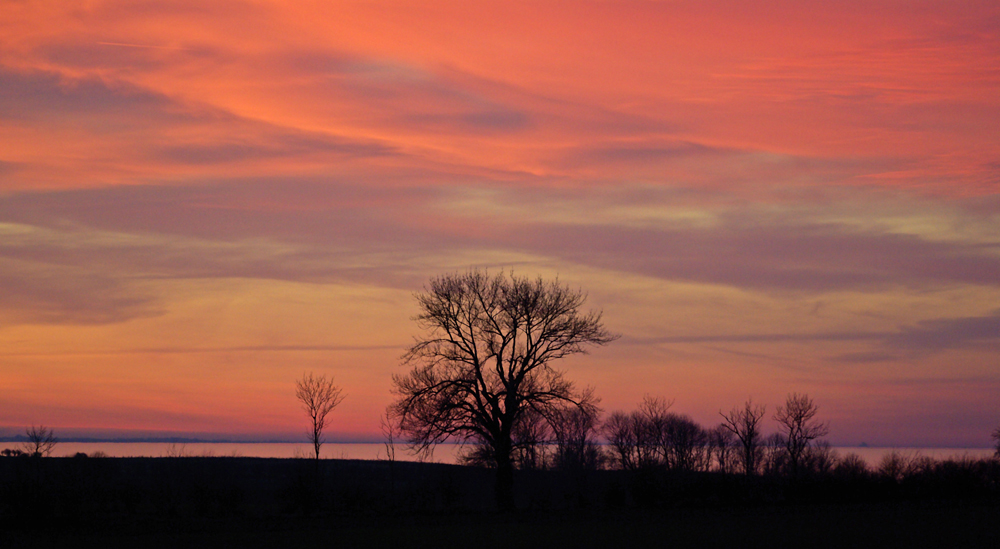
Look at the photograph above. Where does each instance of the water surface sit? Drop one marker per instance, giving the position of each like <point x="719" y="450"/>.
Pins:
<point x="445" y="453"/>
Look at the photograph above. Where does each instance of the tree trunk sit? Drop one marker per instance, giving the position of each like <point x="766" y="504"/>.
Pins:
<point x="504" y="489"/>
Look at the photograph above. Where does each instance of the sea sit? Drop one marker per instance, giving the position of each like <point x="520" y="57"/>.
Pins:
<point x="443" y="453"/>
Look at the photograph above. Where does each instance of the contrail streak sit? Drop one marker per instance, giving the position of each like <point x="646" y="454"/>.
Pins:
<point x="140" y="46"/>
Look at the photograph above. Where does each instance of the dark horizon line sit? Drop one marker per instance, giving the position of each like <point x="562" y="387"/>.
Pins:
<point x="186" y="440"/>
<point x="189" y="440"/>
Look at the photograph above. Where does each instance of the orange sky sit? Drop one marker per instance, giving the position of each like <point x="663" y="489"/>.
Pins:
<point x="199" y="201"/>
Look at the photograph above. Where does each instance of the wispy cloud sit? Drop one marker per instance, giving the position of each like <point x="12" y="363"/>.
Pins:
<point x="38" y="293"/>
<point x="741" y="252"/>
<point x="759" y="338"/>
<point x="926" y="336"/>
<point x="711" y="174"/>
<point x="949" y="333"/>
<point x="211" y="350"/>
<point x="47" y="97"/>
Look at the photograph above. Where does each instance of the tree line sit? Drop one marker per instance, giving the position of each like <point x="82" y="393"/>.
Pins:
<point x="654" y="437"/>
<point x="482" y="372"/>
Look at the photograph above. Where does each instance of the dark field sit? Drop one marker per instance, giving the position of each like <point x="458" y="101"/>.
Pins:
<point x="249" y="502"/>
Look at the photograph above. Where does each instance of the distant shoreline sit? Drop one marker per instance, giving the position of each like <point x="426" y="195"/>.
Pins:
<point x="182" y="440"/>
<point x="445" y="453"/>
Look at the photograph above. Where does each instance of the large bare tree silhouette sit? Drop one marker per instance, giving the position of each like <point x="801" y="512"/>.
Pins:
<point x="485" y="362"/>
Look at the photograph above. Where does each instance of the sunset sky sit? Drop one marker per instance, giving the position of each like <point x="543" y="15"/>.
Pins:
<point x="201" y="200"/>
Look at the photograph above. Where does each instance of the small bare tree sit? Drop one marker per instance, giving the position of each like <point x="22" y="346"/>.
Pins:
<point x="798" y="426"/>
<point x="41" y="441"/>
<point x="773" y="457"/>
<point x="529" y="437"/>
<point x="576" y="446"/>
<point x="390" y="433"/>
<point x="319" y="396"/>
<point x="721" y="449"/>
<point x="744" y="423"/>
<point x="685" y="444"/>
<point x="653" y="436"/>
<point x="896" y="465"/>
<point x="651" y="422"/>
<point x="996" y="441"/>
<point x="621" y="439"/>
<point x="635" y="437"/>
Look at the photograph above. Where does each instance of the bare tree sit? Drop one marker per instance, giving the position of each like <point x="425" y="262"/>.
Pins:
<point x="619" y="429"/>
<point x="851" y="467"/>
<point x="390" y="432"/>
<point x="319" y="396"/>
<point x="896" y="465"/>
<point x="744" y="423"/>
<point x="996" y="441"/>
<point x="820" y="458"/>
<point x="798" y="426"/>
<point x="684" y="444"/>
<point x="576" y="447"/>
<point x="529" y="438"/>
<point x="722" y="449"/>
<point x="41" y="441"/>
<point x="773" y="457"/>
<point x="651" y="424"/>
<point x="486" y="358"/>
<point x="652" y="436"/>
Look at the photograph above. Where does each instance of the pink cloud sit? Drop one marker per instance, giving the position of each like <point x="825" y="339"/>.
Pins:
<point x="790" y="151"/>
